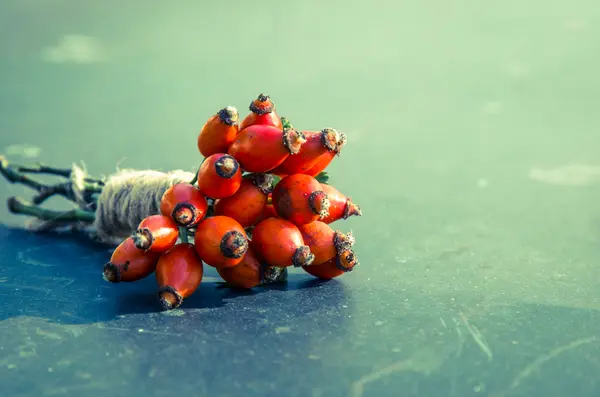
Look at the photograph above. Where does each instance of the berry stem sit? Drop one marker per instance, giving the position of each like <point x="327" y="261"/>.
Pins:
<point x="183" y="235"/>
<point x="19" y="206"/>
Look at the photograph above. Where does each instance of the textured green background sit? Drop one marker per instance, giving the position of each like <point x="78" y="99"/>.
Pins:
<point x="474" y="135"/>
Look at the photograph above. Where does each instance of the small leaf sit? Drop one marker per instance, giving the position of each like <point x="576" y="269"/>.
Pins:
<point x="286" y="123"/>
<point x="323" y="177"/>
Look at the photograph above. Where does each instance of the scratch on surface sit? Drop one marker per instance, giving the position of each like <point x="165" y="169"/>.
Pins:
<point x="29" y="287"/>
<point x="544" y="358"/>
<point x="358" y="387"/>
<point x="478" y="337"/>
<point x="142" y="331"/>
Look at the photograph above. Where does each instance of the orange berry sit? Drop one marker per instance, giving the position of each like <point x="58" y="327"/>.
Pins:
<point x="178" y="274"/>
<point x="316" y="145"/>
<point x="300" y="199"/>
<point x="260" y="148"/>
<point x="219" y="176"/>
<point x="280" y="243"/>
<point x="340" y="206"/>
<point x="335" y="267"/>
<point x="221" y="241"/>
<point x="326" y="158"/>
<point x="219" y="132"/>
<point x="324" y="242"/>
<point x="247" y="274"/>
<point x="129" y="263"/>
<point x="262" y="111"/>
<point x="156" y="233"/>
<point x="247" y="204"/>
<point x="185" y="204"/>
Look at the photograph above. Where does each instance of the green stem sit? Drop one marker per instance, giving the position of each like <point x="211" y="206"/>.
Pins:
<point x="17" y="205"/>
<point x="183" y="235"/>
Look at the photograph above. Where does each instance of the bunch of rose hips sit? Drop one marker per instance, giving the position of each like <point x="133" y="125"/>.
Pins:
<point x="256" y="207"/>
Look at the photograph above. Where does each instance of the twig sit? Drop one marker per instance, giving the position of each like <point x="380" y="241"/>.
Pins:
<point x="19" y="206"/>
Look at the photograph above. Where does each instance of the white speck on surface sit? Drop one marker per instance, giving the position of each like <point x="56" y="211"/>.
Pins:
<point x="140" y="330"/>
<point x="378" y="323"/>
<point x="50" y="369"/>
<point x="282" y="330"/>
<point x="313" y="357"/>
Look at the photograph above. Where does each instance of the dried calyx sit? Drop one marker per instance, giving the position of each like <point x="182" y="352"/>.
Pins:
<point x="293" y="140"/>
<point x="264" y="182"/>
<point x="142" y="238"/>
<point x="303" y="257"/>
<point x="226" y="166"/>
<point x="169" y="298"/>
<point x="229" y="115"/>
<point x="262" y="105"/>
<point x="234" y="245"/>
<point x="319" y="203"/>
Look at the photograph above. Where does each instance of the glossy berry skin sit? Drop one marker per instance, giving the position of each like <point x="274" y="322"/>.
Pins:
<point x="218" y="132"/>
<point x="316" y="145"/>
<point x="156" y="233"/>
<point x="178" y="273"/>
<point x="262" y="112"/>
<point x="185" y="204"/>
<point x="220" y="241"/>
<point x="340" y="206"/>
<point x="260" y="148"/>
<point x="299" y="199"/>
<point x="324" y="242"/>
<point x="219" y="176"/>
<point x="326" y="158"/>
<point x="280" y="243"/>
<point x="247" y="204"/>
<point x="269" y="212"/>
<point x="128" y="263"/>
<point x="247" y="274"/>
<point x="335" y="267"/>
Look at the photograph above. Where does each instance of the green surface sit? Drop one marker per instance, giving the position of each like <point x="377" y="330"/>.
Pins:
<point x="473" y="148"/>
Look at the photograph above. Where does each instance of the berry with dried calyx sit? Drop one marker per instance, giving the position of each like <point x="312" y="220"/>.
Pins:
<point x="247" y="274"/>
<point x="219" y="176"/>
<point x="280" y="243"/>
<point x="129" y="263"/>
<point x="220" y="241"/>
<point x="335" y="267"/>
<point x="262" y="112"/>
<point x="317" y="144"/>
<point x="340" y="206"/>
<point x="178" y="273"/>
<point x="219" y="132"/>
<point x="247" y="204"/>
<point x="300" y="199"/>
<point x="324" y="242"/>
<point x="156" y="233"/>
<point x="260" y="148"/>
<point x="326" y="158"/>
<point x="185" y="204"/>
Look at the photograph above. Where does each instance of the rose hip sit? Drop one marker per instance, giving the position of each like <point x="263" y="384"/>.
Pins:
<point x="185" y="204"/>
<point x="280" y="243"/>
<point x="324" y="242"/>
<point x="156" y="233"/>
<point x="219" y="176"/>
<point x="326" y="158"/>
<point x="262" y="112"/>
<point x="247" y="274"/>
<point x="260" y="148"/>
<point x="128" y="263"/>
<point x="178" y="274"/>
<point x="220" y="241"/>
<point x="247" y="204"/>
<point x="218" y="132"/>
<point x="316" y="145"/>
<point x="300" y="199"/>
<point x="340" y="206"/>
<point x="335" y="267"/>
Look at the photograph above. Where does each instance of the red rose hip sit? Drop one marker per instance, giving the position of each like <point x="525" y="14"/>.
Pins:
<point x="219" y="176"/>
<point x="262" y="112"/>
<point x="300" y="199"/>
<point x="185" y="204"/>
<point x="324" y="242"/>
<point x="248" y="204"/>
<point x="129" y="263"/>
<point x="340" y="206"/>
<point x="326" y="158"/>
<point x="260" y="148"/>
<point x="316" y="145"/>
<point x="220" y="241"/>
<point x="156" y="233"/>
<point x="247" y="274"/>
<point x="218" y="132"/>
<point x="280" y="243"/>
<point x="178" y="273"/>
<point x="335" y="267"/>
